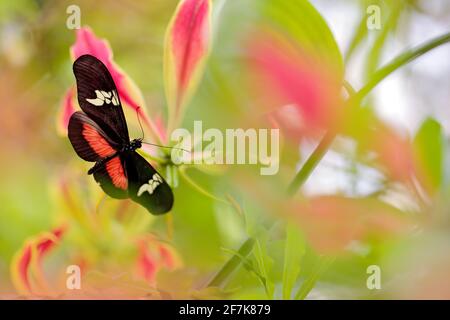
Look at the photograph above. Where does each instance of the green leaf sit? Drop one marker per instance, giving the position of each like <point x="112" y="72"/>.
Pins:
<point x="429" y="146"/>
<point x="249" y="265"/>
<point x="309" y="283"/>
<point x="265" y="263"/>
<point x="304" y="24"/>
<point x="293" y="254"/>
<point x="219" y="280"/>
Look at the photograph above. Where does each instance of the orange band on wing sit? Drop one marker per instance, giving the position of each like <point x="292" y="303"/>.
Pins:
<point x="100" y="146"/>
<point x="115" y="171"/>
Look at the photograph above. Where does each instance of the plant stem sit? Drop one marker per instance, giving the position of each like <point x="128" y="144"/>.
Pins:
<point x="300" y="178"/>
<point x="310" y="282"/>
<point x="398" y="62"/>
<point x="201" y="190"/>
<point x="311" y="163"/>
<point x="232" y="264"/>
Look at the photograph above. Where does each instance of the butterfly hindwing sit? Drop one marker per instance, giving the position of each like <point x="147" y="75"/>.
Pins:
<point x="112" y="177"/>
<point x="146" y="186"/>
<point x="98" y="97"/>
<point x="90" y="142"/>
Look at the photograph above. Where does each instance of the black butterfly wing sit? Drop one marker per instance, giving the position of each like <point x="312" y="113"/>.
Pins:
<point x="98" y="97"/>
<point x="89" y="141"/>
<point x="146" y="186"/>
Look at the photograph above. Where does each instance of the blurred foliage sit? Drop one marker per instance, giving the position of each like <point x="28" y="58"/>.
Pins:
<point x="308" y="246"/>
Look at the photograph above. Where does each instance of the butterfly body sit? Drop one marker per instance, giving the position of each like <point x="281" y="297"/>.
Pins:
<point x="99" y="134"/>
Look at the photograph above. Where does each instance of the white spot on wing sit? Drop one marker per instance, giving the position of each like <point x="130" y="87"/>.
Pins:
<point x="104" y="97"/>
<point x="106" y="94"/>
<point x="99" y="94"/>
<point x="115" y="99"/>
<point x="152" y="184"/>
<point x="96" y="102"/>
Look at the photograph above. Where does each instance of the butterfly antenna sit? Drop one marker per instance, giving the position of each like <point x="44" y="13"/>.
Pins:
<point x="152" y="144"/>
<point x="166" y="147"/>
<point x="140" y="124"/>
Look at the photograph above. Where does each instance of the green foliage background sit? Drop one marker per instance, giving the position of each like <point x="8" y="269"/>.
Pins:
<point x="207" y="233"/>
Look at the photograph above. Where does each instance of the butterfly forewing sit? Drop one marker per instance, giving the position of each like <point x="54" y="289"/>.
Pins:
<point x="146" y="186"/>
<point x="98" y="97"/>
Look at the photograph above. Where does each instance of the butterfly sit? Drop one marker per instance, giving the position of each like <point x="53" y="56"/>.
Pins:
<point x="99" y="134"/>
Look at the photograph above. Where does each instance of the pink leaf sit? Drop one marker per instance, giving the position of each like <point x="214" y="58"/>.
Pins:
<point x="21" y="279"/>
<point x="46" y="243"/>
<point x="284" y="74"/>
<point x="153" y="256"/>
<point x="147" y="263"/>
<point x="27" y="263"/>
<point x="187" y="46"/>
<point x="68" y="107"/>
<point x="394" y="152"/>
<point x="332" y="223"/>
